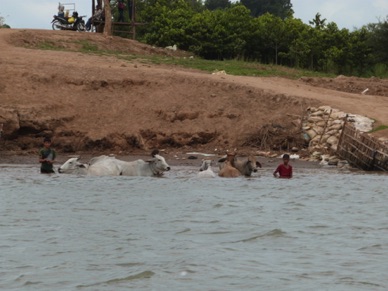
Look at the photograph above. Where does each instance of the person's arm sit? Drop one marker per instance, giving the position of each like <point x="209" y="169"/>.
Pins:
<point x="275" y="172"/>
<point x="41" y="159"/>
<point x="290" y="171"/>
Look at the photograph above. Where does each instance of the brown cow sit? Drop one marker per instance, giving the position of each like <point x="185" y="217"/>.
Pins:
<point x="245" y="165"/>
<point x="228" y="171"/>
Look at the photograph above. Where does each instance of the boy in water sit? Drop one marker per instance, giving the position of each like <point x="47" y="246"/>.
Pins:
<point x="284" y="170"/>
<point x="47" y="157"/>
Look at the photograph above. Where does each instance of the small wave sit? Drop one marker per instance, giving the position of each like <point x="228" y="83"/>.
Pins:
<point x="373" y="247"/>
<point x="216" y="232"/>
<point x="273" y="233"/>
<point x="28" y="283"/>
<point x="183" y="231"/>
<point x="129" y="264"/>
<point x="142" y="275"/>
<point x="351" y="281"/>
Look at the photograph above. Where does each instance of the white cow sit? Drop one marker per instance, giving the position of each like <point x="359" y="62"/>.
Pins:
<point x="110" y="166"/>
<point x="73" y="166"/>
<point x="206" y="170"/>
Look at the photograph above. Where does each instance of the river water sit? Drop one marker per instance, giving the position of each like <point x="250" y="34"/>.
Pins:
<point x="321" y="230"/>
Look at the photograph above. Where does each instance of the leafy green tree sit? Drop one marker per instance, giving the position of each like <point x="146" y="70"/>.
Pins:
<point x="272" y="34"/>
<point x="335" y="53"/>
<point x="217" y="4"/>
<point x="361" y="52"/>
<point x="220" y="34"/>
<point x="379" y="40"/>
<point x="297" y="49"/>
<point x="2" y="23"/>
<point x="166" y="23"/>
<point x="317" y="22"/>
<point x="280" y="8"/>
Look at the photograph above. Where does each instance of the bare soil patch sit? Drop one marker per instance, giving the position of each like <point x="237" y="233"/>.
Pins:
<point x="103" y="104"/>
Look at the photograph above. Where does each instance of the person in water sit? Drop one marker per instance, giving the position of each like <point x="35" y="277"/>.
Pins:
<point x="284" y="170"/>
<point x="47" y="157"/>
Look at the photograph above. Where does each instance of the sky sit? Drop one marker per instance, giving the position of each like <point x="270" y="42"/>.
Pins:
<point x="350" y="14"/>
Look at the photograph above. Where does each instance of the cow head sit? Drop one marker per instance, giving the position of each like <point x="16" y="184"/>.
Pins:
<point x="70" y="166"/>
<point x="252" y="164"/>
<point x="205" y="165"/>
<point x="158" y="165"/>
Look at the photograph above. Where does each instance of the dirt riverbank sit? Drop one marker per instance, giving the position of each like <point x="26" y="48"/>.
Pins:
<point x="96" y="103"/>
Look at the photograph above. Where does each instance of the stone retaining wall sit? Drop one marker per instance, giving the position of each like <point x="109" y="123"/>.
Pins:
<point x="322" y="128"/>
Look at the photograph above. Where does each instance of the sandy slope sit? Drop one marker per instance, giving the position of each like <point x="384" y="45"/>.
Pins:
<point x="105" y="103"/>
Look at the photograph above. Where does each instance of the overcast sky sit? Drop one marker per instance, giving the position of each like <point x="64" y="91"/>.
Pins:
<point x="345" y="13"/>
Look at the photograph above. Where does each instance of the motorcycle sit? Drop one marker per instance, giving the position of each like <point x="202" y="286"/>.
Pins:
<point x="62" y="23"/>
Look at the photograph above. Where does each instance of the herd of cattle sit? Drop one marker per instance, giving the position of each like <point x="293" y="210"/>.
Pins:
<point x="229" y="166"/>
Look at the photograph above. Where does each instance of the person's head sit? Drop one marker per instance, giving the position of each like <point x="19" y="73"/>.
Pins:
<point x="47" y="142"/>
<point x="286" y="159"/>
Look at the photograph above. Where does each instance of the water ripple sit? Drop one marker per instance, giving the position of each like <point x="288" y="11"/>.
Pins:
<point x="323" y="230"/>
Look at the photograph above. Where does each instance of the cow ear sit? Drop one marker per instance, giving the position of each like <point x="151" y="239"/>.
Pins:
<point x="258" y="164"/>
<point x="82" y="166"/>
<point x="222" y="160"/>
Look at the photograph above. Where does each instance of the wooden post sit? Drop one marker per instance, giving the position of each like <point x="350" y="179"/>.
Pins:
<point x="340" y="140"/>
<point x="133" y="20"/>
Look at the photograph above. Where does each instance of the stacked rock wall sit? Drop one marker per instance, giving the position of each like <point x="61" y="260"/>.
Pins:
<point x="322" y="129"/>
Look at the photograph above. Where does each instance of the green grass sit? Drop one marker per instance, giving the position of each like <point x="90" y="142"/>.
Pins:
<point x="381" y="127"/>
<point x="88" y="47"/>
<point x="231" y="67"/>
<point x="47" y="45"/>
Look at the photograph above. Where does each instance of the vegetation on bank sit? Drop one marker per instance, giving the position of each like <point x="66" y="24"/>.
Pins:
<point x="231" y="67"/>
<point x="381" y="127"/>
<point x="258" y="32"/>
<point x="263" y="31"/>
<point x="2" y="23"/>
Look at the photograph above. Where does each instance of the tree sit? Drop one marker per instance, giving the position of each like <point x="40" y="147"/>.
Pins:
<point x="220" y="34"/>
<point x="167" y="23"/>
<point x="297" y="48"/>
<point x="317" y="22"/>
<point x="280" y="8"/>
<point x="217" y="4"/>
<point x="108" y="18"/>
<point x="379" y="40"/>
<point x="273" y="32"/>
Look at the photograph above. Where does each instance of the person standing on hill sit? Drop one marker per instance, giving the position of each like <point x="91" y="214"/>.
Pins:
<point x="121" y="7"/>
<point x="61" y="10"/>
<point x="285" y="169"/>
<point x="47" y="157"/>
